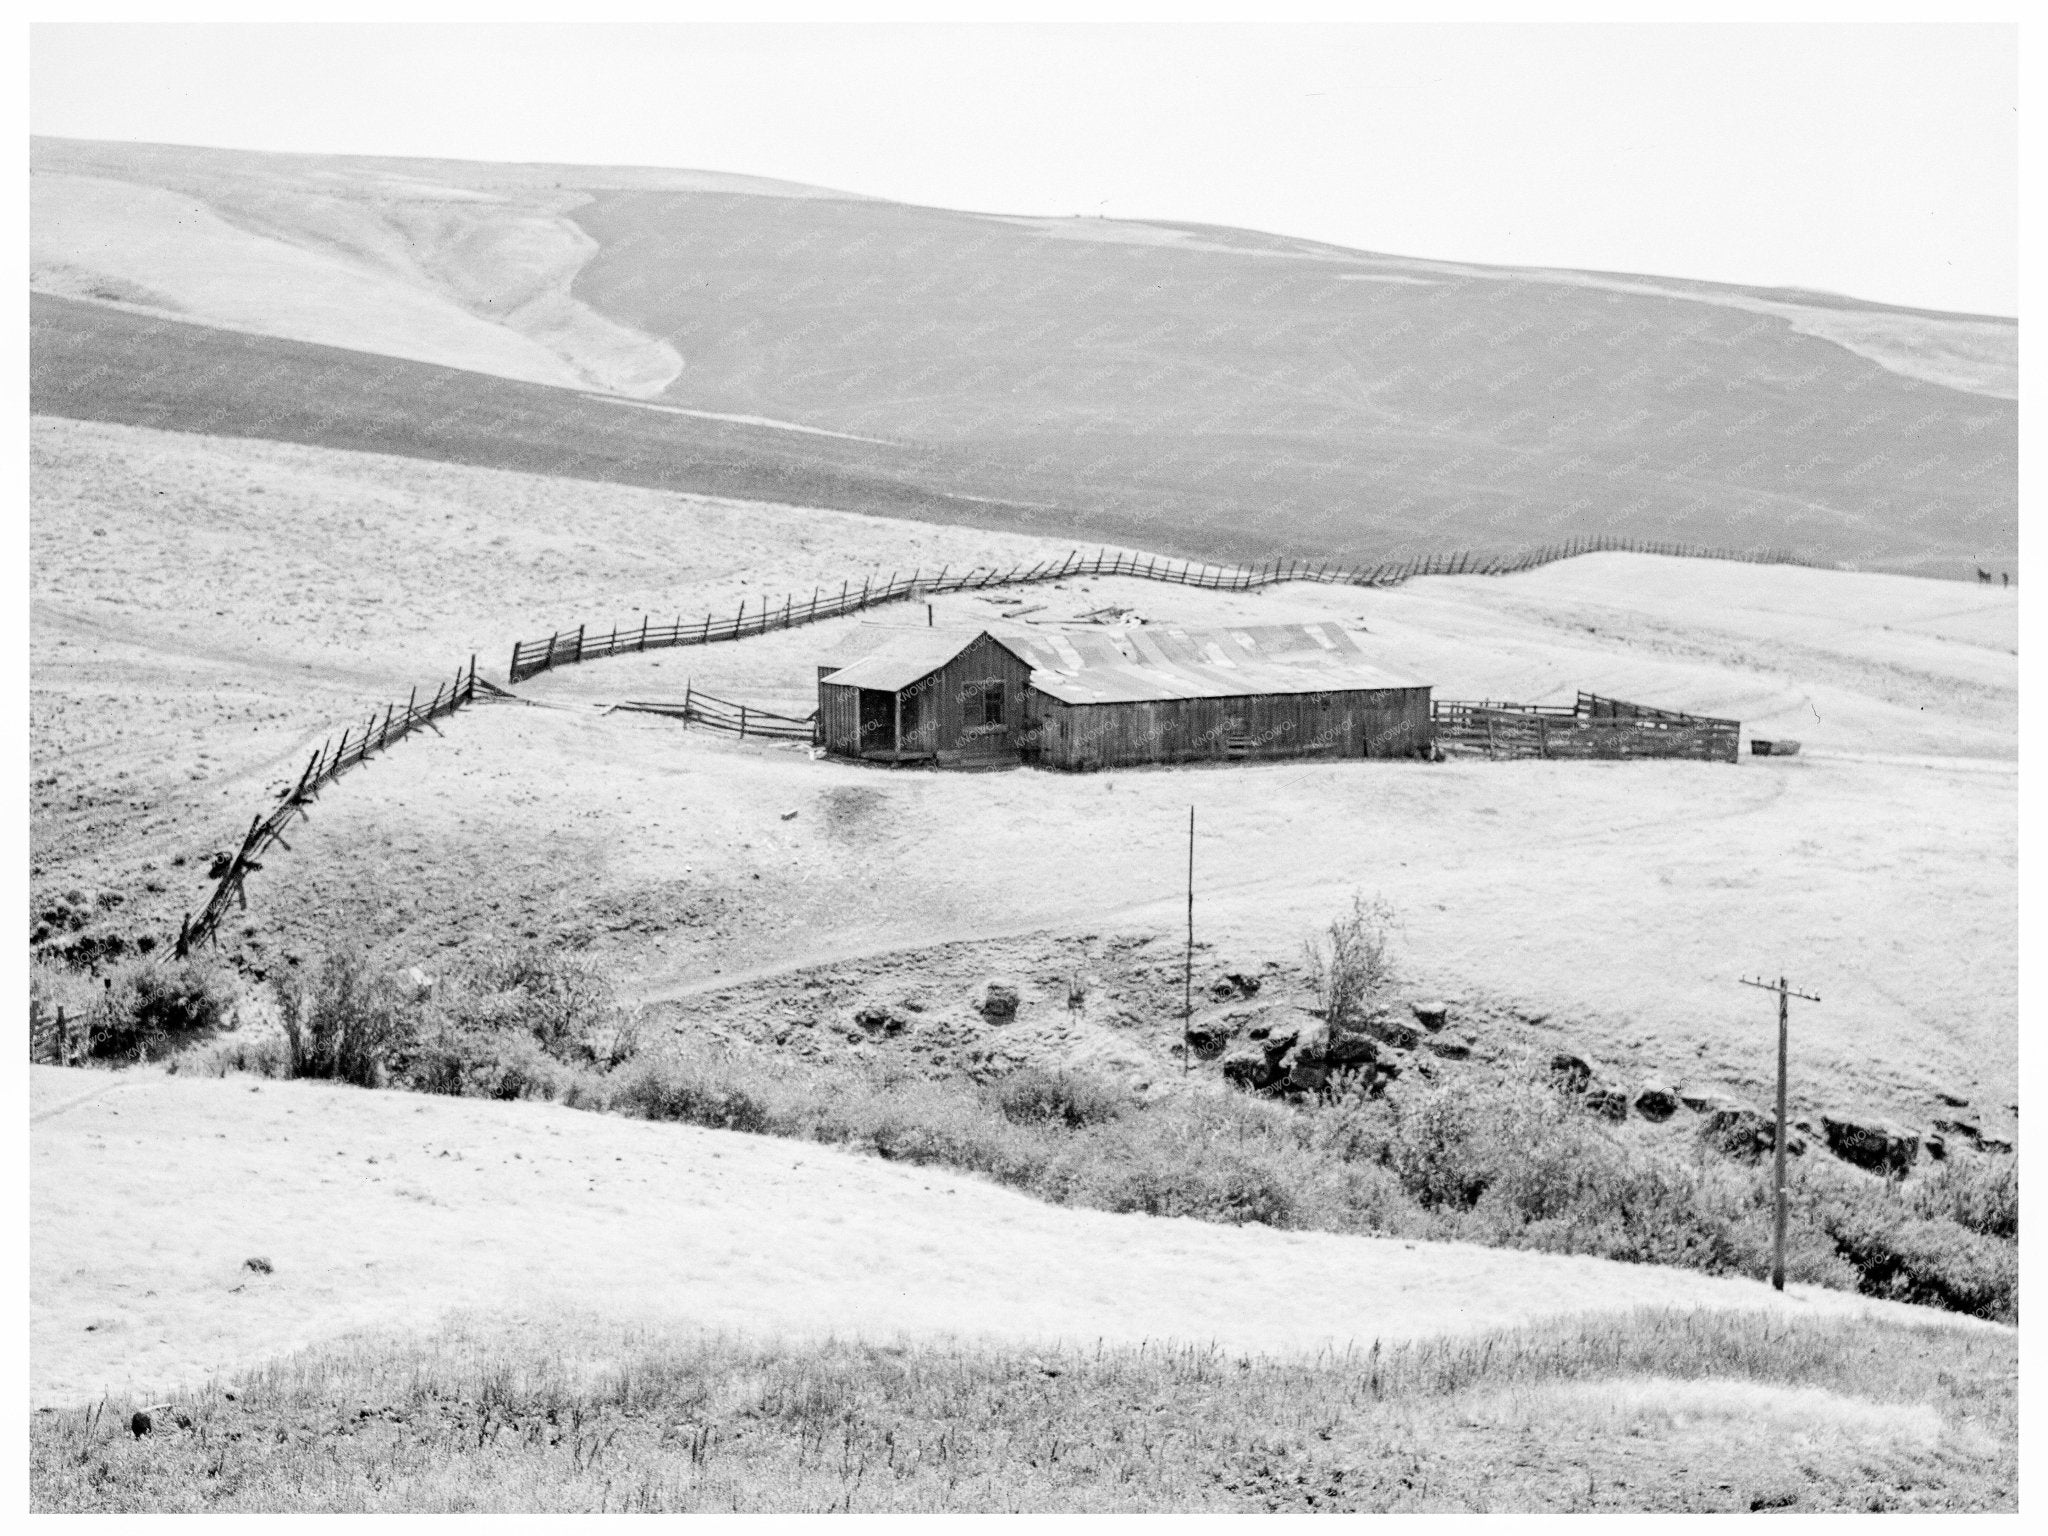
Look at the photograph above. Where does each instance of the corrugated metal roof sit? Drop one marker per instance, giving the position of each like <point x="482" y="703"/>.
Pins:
<point x="902" y="656"/>
<point x="1103" y="664"/>
<point x="1130" y="665"/>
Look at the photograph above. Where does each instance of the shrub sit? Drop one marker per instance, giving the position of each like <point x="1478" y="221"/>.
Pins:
<point x="1349" y="967"/>
<point x="1982" y="1194"/>
<point x="1033" y="1095"/>
<point x="1899" y="1252"/>
<point x="691" y="1090"/>
<point x="262" y="1058"/>
<point x="443" y="1056"/>
<point x="345" y="1022"/>
<point x="140" y="1010"/>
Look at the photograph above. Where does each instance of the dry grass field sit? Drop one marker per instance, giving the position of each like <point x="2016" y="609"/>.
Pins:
<point x="179" y="680"/>
<point x="391" y="1210"/>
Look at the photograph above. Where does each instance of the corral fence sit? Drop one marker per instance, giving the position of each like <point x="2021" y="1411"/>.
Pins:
<point x="567" y="647"/>
<point x="323" y="768"/>
<point x="1594" y="727"/>
<point x="742" y="720"/>
<point x="54" y="1039"/>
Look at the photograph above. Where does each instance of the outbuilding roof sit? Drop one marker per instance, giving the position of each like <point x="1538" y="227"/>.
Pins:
<point x="1135" y="663"/>
<point x="1098" y="664"/>
<point x="896" y="658"/>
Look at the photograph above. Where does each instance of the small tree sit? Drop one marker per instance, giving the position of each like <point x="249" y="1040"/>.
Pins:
<point x="1348" y="965"/>
<point x="343" y="1023"/>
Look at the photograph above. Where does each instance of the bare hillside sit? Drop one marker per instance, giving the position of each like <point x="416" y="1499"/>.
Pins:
<point x="1211" y="392"/>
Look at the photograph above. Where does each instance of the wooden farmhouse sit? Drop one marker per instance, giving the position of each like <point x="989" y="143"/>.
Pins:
<point x="955" y="698"/>
<point x="1100" y="697"/>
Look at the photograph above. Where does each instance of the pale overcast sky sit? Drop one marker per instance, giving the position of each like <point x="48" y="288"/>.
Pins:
<point x="1879" y="161"/>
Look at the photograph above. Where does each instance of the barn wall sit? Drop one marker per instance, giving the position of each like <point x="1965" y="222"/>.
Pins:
<point x="943" y="701"/>
<point x="839" y="719"/>
<point x="954" y="692"/>
<point x="1370" y="722"/>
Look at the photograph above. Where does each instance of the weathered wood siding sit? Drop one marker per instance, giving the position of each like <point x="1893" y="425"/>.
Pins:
<point x="950" y="707"/>
<point x="942" y="713"/>
<point x="1366" y="722"/>
<point x="838" y="719"/>
<point x="1595" y="728"/>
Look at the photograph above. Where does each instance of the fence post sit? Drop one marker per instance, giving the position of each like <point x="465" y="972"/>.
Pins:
<point x="643" y="631"/>
<point x="579" y="642"/>
<point x="686" y="701"/>
<point x="743" y="722"/>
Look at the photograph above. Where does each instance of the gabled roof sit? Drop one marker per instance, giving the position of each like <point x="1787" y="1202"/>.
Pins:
<point x="1097" y="665"/>
<point x="897" y="658"/>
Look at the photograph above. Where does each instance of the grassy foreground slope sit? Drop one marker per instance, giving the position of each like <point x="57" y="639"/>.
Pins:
<point x="389" y="1209"/>
<point x="1205" y="391"/>
<point x="519" y="1306"/>
<point x="1662" y="1411"/>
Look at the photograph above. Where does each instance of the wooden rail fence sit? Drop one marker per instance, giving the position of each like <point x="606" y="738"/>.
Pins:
<point x="325" y="766"/>
<point x="1593" y="727"/>
<point x="742" y="720"/>
<point x="567" y="647"/>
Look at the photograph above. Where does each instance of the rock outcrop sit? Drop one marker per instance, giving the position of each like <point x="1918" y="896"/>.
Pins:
<point x="1878" y="1145"/>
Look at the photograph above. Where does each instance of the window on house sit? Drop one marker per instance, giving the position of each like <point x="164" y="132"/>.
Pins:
<point x="992" y="704"/>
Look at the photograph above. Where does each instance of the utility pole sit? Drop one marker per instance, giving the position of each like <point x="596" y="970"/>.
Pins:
<point x="1785" y="996"/>
<point x="1187" y="1002"/>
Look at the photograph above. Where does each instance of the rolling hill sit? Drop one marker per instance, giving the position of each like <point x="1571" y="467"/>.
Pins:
<point x="1199" y="391"/>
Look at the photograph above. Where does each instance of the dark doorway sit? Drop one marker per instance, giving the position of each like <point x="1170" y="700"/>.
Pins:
<point x="877" y="720"/>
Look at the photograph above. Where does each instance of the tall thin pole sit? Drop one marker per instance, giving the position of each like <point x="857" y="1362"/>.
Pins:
<point x="1778" y="1152"/>
<point x="1785" y="993"/>
<point x="1187" y="1004"/>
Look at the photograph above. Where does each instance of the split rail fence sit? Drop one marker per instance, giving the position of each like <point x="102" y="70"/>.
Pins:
<point x="567" y="647"/>
<point x="1594" y="727"/>
<point x="742" y="720"/>
<point x="323" y="768"/>
<point x="1597" y="728"/>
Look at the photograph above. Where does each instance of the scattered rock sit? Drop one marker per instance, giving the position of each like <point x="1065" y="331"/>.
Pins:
<point x="1655" y="1101"/>
<point x="1249" y="1068"/>
<point x="1234" y="984"/>
<point x="1607" y="1102"/>
<point x="1937" y="1147"/>
<point x="1450" y="1047"/>
<point x="1878" y="1145"/>
<point x="1308" y="1073"/>
<point x="1994" y="1144"/>
<point x="881" y="1021"/>
<point x="1431" y="1015"/>
<point x="1209" y="1035"/>
<point x="1739" y="1129"/>
<point x="1391" y="1031"/>
<point x="1698" y="1100"/>
<point x="1952" y="1100"/>
<point x="998" y="1002"/>
<point x="1962" y="1130"/>
<point x="259" y="1266"/>
<point x="1352" y="1050"/>
<point x="789" y="815"/>
<point x="140" y="1424"/>
<point x="1571" y="1072"/>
